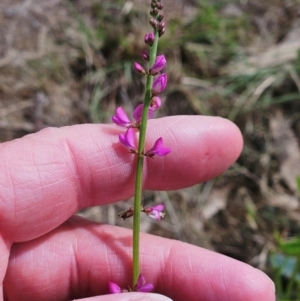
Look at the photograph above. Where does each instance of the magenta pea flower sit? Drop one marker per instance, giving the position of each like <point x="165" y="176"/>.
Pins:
<point x="113" y="288"/>
<point x="142" y="286"/>
<point x="121" y="118"/>
<point x="155" y="103"/>
<point x="158" y="149"/>
<point x="159" y="84"/>
<point x="137" y="113"/>
<point x="158" y="65"/>
<point x="139" y="68"/>
<point x="128" y="139"/>
<point x="155" y="211"/>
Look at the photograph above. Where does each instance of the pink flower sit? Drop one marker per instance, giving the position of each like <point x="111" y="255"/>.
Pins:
<point x="159" y="84"/>
<point x="158" y="65"/>
<point x="128" y="139"/>
<point x="155" y="212"/>
<point x="113" y="288"/>
<point x="138" y="111"/>
<point x="158" y="149"/>
<point x="142" y="286"/>
<point x="155" y="103"/>
<point x="139" y="68"/>
<point x="121" y="118"/>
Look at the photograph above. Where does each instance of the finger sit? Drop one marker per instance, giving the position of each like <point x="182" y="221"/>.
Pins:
<point x="46" y="177"/>
<point x="129" y="297"/>
<point x="79" y="258"/>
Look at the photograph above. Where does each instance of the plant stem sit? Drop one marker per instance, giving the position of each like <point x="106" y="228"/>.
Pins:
<point x="139" y="168"/>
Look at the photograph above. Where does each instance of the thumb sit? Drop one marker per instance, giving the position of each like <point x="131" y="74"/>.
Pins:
<point x="129" y="297"/>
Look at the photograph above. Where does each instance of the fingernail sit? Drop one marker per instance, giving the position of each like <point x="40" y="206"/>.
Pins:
<point x="143" y="297"/>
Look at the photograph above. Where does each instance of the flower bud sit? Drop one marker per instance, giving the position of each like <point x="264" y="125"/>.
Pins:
<point x="161" y="31"/>
<point x="139" y="68"/>
<point x="160" y="6"/>
<point x="154" y="23"/>
<point x="159" y="84"/>
<point x="145" y="56"/>
<point x="158" y="65"/>
<point x="149" y="39"/>
<point x="160" y="16"/>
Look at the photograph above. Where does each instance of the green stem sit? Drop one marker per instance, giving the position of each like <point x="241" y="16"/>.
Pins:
<point x="139" y="168"/>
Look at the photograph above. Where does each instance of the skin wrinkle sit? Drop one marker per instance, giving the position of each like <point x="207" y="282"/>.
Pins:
<point x="222" y="280"/>
<point x="168" y="262"/>
<point x="78" y="186"/>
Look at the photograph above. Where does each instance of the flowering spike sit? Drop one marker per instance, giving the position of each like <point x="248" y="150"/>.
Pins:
<point x="121" y="118"/>
<point x="128" y="139"/>
<point x="139" y="68"/>
<point x="159" y="84"/>
<point x="155" y="212"/>
<point x="158" y="65"/>
<point x="158" y="149"/>
<point x="142" y="286"/>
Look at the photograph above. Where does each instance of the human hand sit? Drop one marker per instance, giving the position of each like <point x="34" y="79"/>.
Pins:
<point x="46" y="254"/>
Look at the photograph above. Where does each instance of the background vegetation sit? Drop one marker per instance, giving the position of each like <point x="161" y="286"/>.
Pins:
<point x="65" y="62"/>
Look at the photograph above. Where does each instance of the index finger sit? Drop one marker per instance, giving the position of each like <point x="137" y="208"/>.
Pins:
<point x="46" y="177"/>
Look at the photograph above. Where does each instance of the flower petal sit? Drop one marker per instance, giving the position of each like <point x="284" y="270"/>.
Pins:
<point x="159" y="84"/>
<point x="121" y="118"/>
<point x="159" y="207"/>
<point x="142" y="286"/>
<point x="128" y="139"/>
<point x="138" y="111"/>
<point x="114" y="288"/>
<point x="158" y="149"/>
<point x="158" y="65"/>
<point x="155" y="103"/>
<point x="148" y="287"/>
<point x="139" y="68"/>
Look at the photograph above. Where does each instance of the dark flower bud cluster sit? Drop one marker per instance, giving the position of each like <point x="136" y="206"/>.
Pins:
<point x="157" y="15"/>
